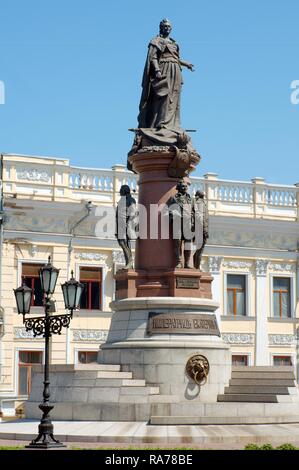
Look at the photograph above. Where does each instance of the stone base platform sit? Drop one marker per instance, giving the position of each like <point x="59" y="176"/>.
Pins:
<point x="159" y="355"/>
<point x="130" y="283"/>
<point x="104" y="393"/>
<point x="140" y="433"/>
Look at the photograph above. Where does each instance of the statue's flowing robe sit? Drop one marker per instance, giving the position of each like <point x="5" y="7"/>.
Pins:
<point x="160" y="102"/>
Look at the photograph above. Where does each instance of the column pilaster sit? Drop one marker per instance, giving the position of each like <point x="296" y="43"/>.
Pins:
<point x="261" y="312"/>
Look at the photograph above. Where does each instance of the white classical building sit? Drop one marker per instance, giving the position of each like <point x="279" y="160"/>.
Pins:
<point x="252" y="254"/>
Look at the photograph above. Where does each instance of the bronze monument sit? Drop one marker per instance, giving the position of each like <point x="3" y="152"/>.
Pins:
<point x="126" y="214"/>
<point x="181" y="212"/>
<point x="201" y="217"/>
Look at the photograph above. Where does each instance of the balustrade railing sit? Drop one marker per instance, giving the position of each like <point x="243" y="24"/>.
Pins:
<point x="95" y="180"/>
<point x="277" y="196"/>
<point x="55" y="177"/>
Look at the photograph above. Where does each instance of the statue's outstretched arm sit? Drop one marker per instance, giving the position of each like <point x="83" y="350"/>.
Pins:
<point x="188" y="65"/>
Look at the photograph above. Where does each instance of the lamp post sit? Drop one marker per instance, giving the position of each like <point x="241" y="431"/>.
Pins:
<point x="46" y="326"/>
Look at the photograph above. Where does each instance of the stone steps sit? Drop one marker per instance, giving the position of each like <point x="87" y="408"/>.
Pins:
<point x="100" y="367"/>
<point x="131" y="408"/>
<point x="259" y="389"/>
<point x="100" y="393"/>
<point x="114" y="375"/>
<point x="96" y="374"/>
<point x="96" y="385"/>
<point x="139" y="390"/>
<point x="261" y="382"/>
<point x="198" y="420"/>
<point x="248" y="397"/>
<point x="273" y="369"/>
<point x="107" y="382"/>
<point x="262" y="375"/>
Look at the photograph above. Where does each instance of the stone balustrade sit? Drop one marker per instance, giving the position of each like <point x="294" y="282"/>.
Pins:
<point x="54" y="178"/>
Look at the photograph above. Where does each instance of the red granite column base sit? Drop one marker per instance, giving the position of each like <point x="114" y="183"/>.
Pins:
<point x="171" y="283"/>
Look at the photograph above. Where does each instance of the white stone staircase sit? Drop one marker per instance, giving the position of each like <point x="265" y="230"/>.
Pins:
<point x="101" y="392"/>
<point x="91" y="392"/>
<point x="264" y="384"/>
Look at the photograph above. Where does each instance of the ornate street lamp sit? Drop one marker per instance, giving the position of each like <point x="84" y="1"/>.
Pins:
<point x="48" y="277"/>
<point x="23" y="297"/>
<point x="46" y="326"/>
<point x="72" y="291"/>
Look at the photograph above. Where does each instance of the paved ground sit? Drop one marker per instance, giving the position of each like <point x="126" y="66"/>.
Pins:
<point x="131" y="434"/>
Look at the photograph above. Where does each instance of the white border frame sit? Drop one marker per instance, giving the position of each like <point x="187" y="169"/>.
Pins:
<point x="292" y="277"/>
<point x="21" y="261"/>
<point x="101" y="265"/>
<point x="292" y="355"/>
<point x="16" y="374"/>
<point x="76" y="350"/>
<point x="244" y="353"/>
<point x="248" y="281"/>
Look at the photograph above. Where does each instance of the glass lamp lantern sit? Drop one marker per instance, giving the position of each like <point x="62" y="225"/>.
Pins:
<point x="72" y="291"/>
<point x="23" y="297"/>
<point x="48" y="277"/>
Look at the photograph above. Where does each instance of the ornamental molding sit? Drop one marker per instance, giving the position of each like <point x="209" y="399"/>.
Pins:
<point x="33" y="175"/>
<point x="215" y="263"/>
<point x="90" y="335"/>
<point x="38" y="224"/>
<point x="282" y="340"/>
<point x="280" y="267"/>
<point x="33" y="250"/>
<point x="238" y="338"/>
<point x="261" y="266"/>
<point x="91" y="256"/>
<point x="237" y="264"/>
<point x="118" y="257"/>
<point x="21" y="333"/>
<point x="252" y="239"/>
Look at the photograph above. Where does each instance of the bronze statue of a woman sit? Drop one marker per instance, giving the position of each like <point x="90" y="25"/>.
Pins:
<point x="162" y="81"/>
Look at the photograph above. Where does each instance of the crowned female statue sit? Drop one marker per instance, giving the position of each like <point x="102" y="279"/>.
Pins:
<point x="162" y="81"/>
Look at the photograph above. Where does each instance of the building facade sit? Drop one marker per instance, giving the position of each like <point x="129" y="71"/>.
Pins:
<point x="49" y="207"/>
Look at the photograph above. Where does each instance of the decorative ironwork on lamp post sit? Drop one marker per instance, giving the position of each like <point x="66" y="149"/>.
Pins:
<point x="46" y="326"/>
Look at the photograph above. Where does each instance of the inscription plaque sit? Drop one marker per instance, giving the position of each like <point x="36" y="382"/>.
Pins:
<point x="182" y="323"/>
<point x="187" y="283"/>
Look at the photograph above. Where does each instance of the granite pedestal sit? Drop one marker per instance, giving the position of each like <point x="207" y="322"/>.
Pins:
<point x="160" y="359"/>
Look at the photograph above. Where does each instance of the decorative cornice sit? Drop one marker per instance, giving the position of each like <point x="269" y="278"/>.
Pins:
<point x="237" y="264"/>
<point x="238" y="338"/>
<point x="33" y="175"/>
<point x="91" y="256"/>
<point x="282" y="267"/>
<point x="118" y="257"/>
<point x="214" y="264"/>
<point x="33" y="250"/>
<point x="282" y="340"/>
<point x="90" y="335"/>
<point x="21" y="333"/>
<point x="259" y="239"/>
<point x="261" y="266"/>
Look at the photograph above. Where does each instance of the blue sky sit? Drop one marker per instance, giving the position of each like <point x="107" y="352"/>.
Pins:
<point x="72" y="72"/>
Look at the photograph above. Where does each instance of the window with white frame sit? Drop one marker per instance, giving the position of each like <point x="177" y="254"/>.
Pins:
<point x="236" y="294"/>
<point x="91" y="278"/>
<point x="282" y="361"/>
<point x="26" y="360"/>
<point x="30" y="277"/>
<point x="87" y="357"/>
<point x="239" y="359"/>
<point x="281" y="297"/>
